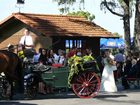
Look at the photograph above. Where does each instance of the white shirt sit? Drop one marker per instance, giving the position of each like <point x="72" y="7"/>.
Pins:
<point x="26" y="40"/>
<point x="56" y="58"/>
<point x="61" y="60"/>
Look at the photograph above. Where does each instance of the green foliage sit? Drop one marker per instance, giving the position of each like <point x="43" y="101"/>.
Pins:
<point x="117" y="35"/>
<point x="87" y="58"/>
<point x="70" y="2"/>
<point x="112" y="5"/>
<point x="61" y="2"/>
<point x="63" y="10"/>
<point x="65" y="5"/>
<point x="86" y="14"/>
<point x="123" y="9"/>
<point x="76" y="65"/>
<point x="118" y="7"/>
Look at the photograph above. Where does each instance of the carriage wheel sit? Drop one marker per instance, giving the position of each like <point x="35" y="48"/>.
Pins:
<point x="3" y="91"/>
<point x="86" y="84"/>
<point x="31" y="92"/>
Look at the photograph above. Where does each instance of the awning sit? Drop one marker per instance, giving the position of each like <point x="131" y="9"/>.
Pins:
<point x="112" y="43"/>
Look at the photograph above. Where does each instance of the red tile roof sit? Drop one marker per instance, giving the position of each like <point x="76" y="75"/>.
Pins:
<point x="61" y="25"/>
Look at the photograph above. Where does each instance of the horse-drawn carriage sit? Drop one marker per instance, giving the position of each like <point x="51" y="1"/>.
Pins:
<point x="85" y="83"/>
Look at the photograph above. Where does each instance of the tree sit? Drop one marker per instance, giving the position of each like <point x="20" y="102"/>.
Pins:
<point x="65" y="8"/>
<point x="137" y="26"/>
<point x="117" y="35"/>
<point x="114" y="6"/>
<point x="86" y="14"/>
<point x="126" y="7"/>
<point x="65" y="5"/>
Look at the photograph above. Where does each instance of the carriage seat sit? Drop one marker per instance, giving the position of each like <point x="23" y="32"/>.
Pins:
<point x="91" y="65"/>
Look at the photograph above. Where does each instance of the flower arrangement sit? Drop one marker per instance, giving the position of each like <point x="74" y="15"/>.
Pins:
<point x="111" y="61"/>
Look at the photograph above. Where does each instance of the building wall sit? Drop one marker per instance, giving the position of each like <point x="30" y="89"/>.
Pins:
<point x="13" y="34"/>
<point x="10" y="34"/>
<point x="58" y="43"/>
<point x="92" y="43"/>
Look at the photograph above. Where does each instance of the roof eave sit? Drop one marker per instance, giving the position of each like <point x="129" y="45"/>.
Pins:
<point x="6" y="19"/>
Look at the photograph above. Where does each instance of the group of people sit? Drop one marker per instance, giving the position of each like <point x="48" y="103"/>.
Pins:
<point x="111" y="67"/>
<point x="107" y="66"/>
<point x="44" y="56"/>
<point x="116" y="67"/>
<point x="49" y="57"/>
<point x="25" y="50"/>
<point x="131" y="69"/>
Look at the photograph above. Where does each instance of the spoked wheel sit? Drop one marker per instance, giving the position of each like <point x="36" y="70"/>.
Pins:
<point x="86" y="84"/>
<point x="2" y="90"/>
<point x="4" y="84"/>
<point x="31" y="92"/>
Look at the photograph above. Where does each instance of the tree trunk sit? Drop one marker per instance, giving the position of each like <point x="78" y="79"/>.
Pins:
<point x="137" y="26"/>
<point x="126" y="22"/>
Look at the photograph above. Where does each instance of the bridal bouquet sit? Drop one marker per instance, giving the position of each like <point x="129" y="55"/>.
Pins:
<point x="111" y="61"/>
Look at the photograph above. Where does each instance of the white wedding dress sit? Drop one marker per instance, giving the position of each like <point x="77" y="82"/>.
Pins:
<point x="107" y="80"/>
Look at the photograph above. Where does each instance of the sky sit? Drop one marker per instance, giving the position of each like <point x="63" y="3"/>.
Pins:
<point x="106" y="20"/>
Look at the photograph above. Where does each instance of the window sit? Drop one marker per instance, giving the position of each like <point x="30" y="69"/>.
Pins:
<point x="73" y="43"/>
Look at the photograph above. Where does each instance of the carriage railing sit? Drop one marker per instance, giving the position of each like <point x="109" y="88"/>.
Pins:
<point x="30" y="66"/>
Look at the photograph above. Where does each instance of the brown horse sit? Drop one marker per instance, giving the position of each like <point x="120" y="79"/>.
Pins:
<point x="11" y="65"/>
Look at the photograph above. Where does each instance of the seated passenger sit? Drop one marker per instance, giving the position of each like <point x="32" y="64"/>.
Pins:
<point x="43" y="57"/>
<point x="44" y="60"/>
<point x="132" y="73"/>
<point x="62" y="58"/>
<point x="52" y="57"/>
<point x="36" y="56"/>
<point x="127" y="66"/>
<point x="133" y="70"/>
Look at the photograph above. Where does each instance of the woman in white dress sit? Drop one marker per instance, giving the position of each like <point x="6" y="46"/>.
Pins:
<point x="107" y="80"/>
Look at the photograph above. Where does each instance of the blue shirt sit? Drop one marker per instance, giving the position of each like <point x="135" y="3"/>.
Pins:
<point x="119" y="57"/>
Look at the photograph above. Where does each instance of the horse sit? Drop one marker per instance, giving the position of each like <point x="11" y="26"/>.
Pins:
<point x="11" y="66"/>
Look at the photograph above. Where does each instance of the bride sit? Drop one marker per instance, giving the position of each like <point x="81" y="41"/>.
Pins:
<point x="107" y="80"/>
